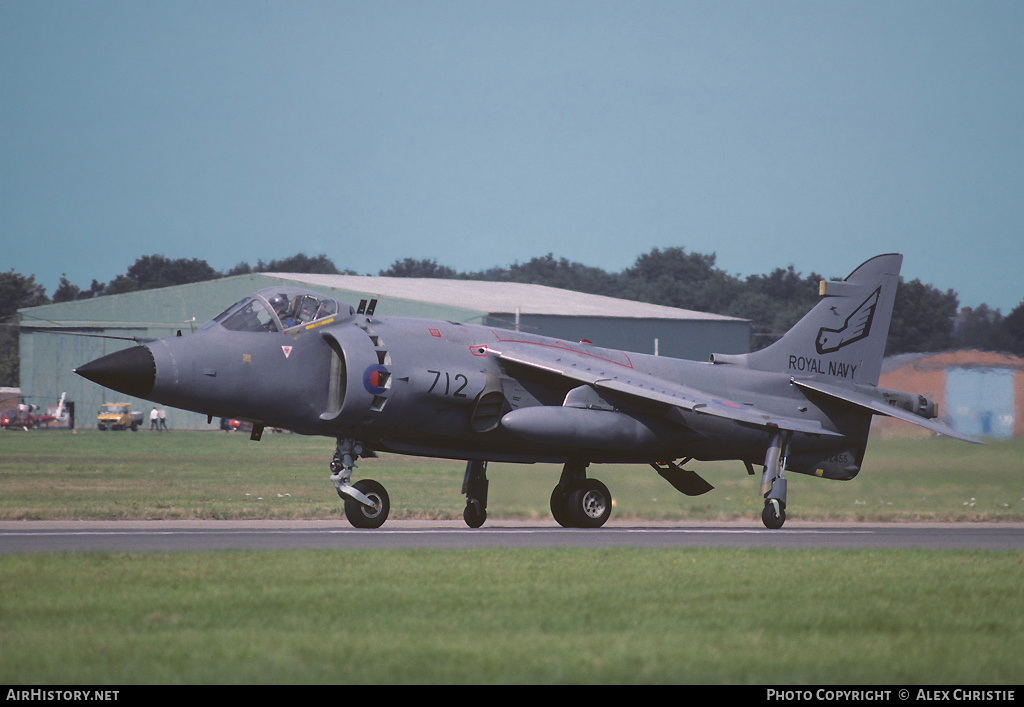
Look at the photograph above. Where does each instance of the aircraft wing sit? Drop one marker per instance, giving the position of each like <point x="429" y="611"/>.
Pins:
<point x="618" y="376"/>
<point x="880" y="407"/>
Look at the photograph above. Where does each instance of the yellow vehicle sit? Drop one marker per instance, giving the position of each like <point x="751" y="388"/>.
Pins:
<point x="119" y="416"/>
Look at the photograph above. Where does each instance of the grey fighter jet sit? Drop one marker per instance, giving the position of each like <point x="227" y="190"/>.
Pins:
<point x="287" y="357"/>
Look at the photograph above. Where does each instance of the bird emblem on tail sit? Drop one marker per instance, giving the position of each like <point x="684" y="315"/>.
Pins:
<point x="856" y="327"/>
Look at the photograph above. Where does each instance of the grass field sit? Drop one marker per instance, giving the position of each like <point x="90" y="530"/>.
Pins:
<point x="513" y="616"/>
<point x="215" y="475"/>
<point x="624" y="615"/>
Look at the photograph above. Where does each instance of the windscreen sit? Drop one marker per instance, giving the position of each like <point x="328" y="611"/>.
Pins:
<point x="279" y="309"/>
<point x="251" y="314"/>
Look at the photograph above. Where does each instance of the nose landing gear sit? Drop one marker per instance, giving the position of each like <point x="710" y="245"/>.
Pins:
<point x="366" y="502"/>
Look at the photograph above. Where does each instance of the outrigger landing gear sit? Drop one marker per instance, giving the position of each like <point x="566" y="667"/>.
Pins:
<point x="366" y="502"/>
<point x="773" y="483"/>
<point x="579" y="502"/>
<point x="474" y="486"/>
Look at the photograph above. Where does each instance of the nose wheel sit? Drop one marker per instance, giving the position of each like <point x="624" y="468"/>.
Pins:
<point x="366" y="502"/>
<point x="361" y="515"/>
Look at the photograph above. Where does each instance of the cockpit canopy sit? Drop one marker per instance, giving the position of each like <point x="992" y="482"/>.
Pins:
<point x="281" y="309"/>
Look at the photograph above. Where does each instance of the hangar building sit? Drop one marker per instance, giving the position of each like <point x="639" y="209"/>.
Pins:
<point x="979" y="393"/>
<point x="48" y="357"/>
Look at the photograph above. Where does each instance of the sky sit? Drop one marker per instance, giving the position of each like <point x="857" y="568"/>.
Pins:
<point x="484" y="133"/>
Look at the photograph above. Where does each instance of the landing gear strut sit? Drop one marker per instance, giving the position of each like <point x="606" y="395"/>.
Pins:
<point x="773" y="483"/>
<point x="579" y="502"/>
<point x="474" y="486"/>
<point x="366" y="502"/>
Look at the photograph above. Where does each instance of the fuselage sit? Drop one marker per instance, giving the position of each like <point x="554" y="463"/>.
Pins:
<point x="435" y="388"/>
<point x="287" y="357"/>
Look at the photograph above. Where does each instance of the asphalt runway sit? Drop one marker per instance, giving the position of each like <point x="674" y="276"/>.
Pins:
<point x="205" y="536"/>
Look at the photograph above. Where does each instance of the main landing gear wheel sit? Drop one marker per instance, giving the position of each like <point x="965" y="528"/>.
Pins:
<point x="363" y="516"/>
<point x="586" y="504"/>
<point x="590" y="504"/>
<point x="560" y="507"/>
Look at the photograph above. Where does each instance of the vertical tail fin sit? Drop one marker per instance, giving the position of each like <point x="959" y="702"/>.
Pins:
<point x="842" y="338"/>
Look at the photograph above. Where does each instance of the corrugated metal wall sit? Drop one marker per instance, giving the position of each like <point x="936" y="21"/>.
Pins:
<point x="49" y="357"/>
<point x="980" y="401"/>
<point x="980" y="393"/>
<point x="678" y="338"/>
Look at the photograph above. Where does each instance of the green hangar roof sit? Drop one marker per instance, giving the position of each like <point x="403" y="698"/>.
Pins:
<point x="500" y="298"/>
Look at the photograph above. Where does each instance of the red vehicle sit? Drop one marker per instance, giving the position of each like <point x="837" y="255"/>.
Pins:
<point x="229" y="425"/>
<point x="24" y="416"/>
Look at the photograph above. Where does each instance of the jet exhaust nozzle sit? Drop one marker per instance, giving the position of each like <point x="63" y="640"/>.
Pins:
<point x="130" y="371"/>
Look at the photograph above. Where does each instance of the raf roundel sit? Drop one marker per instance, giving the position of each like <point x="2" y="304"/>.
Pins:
<point x="374" y="379"/>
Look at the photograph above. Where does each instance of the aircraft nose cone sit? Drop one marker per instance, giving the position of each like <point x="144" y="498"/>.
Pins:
<point x="131" y="371"/>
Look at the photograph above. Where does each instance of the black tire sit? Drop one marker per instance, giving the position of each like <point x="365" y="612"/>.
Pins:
<point x="474" y="515"/>
<point x="589" y="504"/>
<point x="560" y="507"/>
<point x="361" y="516"/>
<point x="771" y="519"/>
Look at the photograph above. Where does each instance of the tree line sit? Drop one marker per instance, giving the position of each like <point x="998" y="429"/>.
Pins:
<point x="925" y="319"/>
